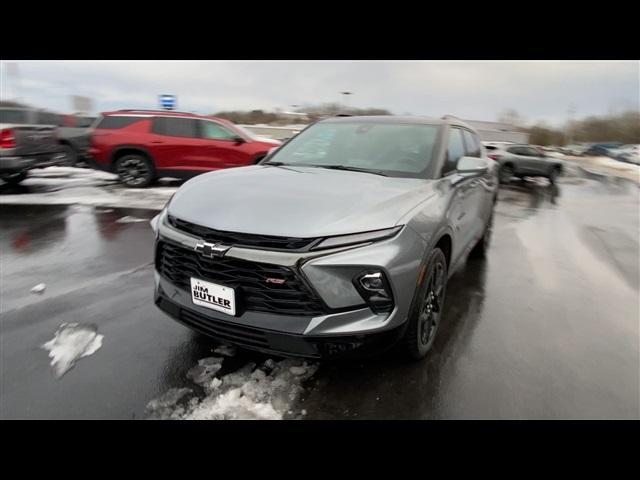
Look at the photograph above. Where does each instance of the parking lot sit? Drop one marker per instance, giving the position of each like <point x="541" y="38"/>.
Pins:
<point x="545" y="327"/>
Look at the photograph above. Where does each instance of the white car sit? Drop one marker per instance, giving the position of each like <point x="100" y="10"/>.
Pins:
<point x="627" y="153"/>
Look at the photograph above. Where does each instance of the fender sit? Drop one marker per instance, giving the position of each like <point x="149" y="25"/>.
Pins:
<point x="119" y="148"/>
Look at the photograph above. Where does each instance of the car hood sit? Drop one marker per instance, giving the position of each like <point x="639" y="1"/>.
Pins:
<point x="270" y="141"/>
<point x="300" y="202"/>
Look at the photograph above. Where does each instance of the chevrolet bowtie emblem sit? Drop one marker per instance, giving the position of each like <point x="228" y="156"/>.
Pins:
<point x="210" y="250"/>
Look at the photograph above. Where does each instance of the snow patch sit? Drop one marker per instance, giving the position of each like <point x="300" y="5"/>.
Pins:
<point x="203" y="373"/>
<point x="39" y="288"/>
<point x="81" y="186"/>
<point x="265" y="392"/>
<point x="71" y="342"/>
<point x="168" y="405"/>
<point x="130" y="219"/>
<point x="225" y="350"/>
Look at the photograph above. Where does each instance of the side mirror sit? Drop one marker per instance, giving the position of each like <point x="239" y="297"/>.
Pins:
<point x="238" y="139"/>
<point x="472" y="165"/>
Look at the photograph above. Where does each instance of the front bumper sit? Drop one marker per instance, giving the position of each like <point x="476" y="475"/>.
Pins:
<point x="329" y="273"/>
<point x="279" y="343"/>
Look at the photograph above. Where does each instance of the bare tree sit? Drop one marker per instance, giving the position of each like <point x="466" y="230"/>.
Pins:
<point x="512" y="117"/>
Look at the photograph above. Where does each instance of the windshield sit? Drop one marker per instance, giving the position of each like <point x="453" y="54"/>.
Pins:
<point x="395" y="149"/>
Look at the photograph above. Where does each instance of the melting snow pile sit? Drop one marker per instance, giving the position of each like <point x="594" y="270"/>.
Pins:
<point x="129" y="219"/>
<point x="71" y="342"/>
<point x="264" y="392"/>
<point x="39" y="288"/>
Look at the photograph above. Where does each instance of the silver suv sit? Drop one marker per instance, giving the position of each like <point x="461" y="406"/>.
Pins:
<point x="523" y="161"/>
<point x="341" y="241"/>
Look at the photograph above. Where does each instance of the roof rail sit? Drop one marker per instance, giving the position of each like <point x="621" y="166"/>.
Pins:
<point x="152" y="110"/>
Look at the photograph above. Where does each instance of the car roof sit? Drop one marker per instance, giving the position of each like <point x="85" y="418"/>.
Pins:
<point x="398" y="119"/>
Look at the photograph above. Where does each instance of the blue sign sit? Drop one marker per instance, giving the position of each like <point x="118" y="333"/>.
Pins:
<point x="168" y="102"/>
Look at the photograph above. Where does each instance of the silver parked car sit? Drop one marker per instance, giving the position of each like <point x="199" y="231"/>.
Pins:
<point x="340" y="241"/>
<point x="524" y="161"/>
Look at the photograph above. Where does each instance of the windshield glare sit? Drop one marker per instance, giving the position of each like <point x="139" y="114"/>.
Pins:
<point x="394" y="148"/>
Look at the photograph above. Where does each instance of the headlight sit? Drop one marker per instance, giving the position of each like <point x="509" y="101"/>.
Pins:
<point x="154" y="221"/>
<point x="344" y="240"/>
<point x="374" y="288"/>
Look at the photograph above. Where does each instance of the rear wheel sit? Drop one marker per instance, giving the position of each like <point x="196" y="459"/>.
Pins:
<point x="14" y="178"/>
<point x="135" y="171"/>
<point x="427" y="306"/>
<point x="67" y="157"/>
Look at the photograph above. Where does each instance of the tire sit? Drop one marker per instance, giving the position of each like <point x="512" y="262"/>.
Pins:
<point x="482" y="247"/>
<point x="506" y="173"/>
<point x="135" y="170"/>
<point x="71" y="155"/>
<point x="14" y="179"/>
<point x="426" y="309"/>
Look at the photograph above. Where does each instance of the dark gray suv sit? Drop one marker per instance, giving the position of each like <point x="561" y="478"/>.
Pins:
<point x="341" y="241"/>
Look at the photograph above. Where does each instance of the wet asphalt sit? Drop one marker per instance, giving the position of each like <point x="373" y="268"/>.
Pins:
<point x="546" y="327"/>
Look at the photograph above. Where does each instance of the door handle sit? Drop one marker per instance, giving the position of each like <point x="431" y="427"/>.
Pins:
<point x="157" y="141"/>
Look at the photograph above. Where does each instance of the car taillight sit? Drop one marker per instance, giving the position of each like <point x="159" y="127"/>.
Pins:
<point x="7" y="138"/>
<point x="494" y="156"/>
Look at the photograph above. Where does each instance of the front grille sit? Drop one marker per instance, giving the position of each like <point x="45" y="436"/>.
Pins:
<point x="242" y="239"/>
<point x="293" y="297"/>
<point x="223" y="330"/>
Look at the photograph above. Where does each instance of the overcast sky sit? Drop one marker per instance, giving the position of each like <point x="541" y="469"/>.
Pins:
<point x="471" y="90"/>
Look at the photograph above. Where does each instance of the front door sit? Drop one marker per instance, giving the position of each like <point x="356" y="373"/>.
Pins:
<point x="221" y="147"/>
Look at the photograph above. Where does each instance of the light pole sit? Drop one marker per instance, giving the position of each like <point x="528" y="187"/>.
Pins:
<point x="570" y="112"/>
<point x="346" y="96"/>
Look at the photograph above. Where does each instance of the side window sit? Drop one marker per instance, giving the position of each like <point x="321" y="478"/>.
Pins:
<point x="532" y="152"/>
<point x="47" y="118"/>
<point x="472" y="143"/>
<point x="515" y="150"/>
<point x="14" y="116"/>
<point x="175" y="127"/>
<point x="213" y="131"/>
<point x="455" y="150"/>
<point x="111" y="123"/>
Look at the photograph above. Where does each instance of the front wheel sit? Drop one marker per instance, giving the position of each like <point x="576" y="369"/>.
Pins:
<point x="506" y="173"/>
<point x="553" y="176"/>
<point x="135" y="171"/>
<point x="67" y="157"/>
<point x="426" y="310"/>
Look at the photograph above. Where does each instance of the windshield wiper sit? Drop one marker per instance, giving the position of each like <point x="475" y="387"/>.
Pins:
<point x="276" y="164"/>
<point x="351" y="169"/>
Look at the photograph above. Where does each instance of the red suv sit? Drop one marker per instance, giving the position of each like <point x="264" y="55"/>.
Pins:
<point x="143" y="145"/>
